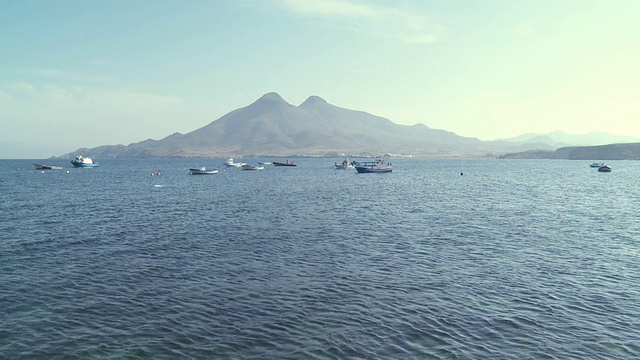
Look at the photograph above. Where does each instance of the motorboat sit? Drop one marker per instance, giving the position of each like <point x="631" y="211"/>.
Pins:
<point x="604" y="168"/>
<point x="230" y="163"/>
<point x="82" y="161"/>
<point x="47" y="167"/>
<point x="377" y="166"/>
<point x="344" y="165"/>
<point x="286" y="163"/>
<point x="596" y="164"/>
<point x="202" y="171"/>
<point x="252" y="167"/>
<point x="264" y="162"/>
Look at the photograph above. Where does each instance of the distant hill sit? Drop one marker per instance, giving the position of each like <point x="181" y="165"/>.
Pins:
<point x="270" y="126"/>
<point x="601" y="152"/>
<point x="559" y="139"/>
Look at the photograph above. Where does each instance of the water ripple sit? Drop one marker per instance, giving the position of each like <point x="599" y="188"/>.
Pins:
<point x="310" y="263"/>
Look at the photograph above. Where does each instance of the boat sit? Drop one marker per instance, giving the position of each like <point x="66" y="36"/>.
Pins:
<point x="202" y="171"/>
<point x="264" y="162"/>
<point x="377" y="166"/>
<point x="344" y="165"/>
<point x="81" y="161"/>
<point x="604" y="168"/>
<point x="47" y="167"/>
<point x="597" y="164"/>
<point x="286" y="163"/>
<point x="252" y="167"/>
<point x="230" y="163"/>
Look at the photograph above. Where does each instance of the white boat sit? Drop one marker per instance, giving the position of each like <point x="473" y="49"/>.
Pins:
<point x="230" y="163"/>
<point x="377" y="166"/>
<point x="252" y="167"/>
<point x="264" y="163"/>
<point x="344" y="165"/>
<point x="597" y="164"/>
<point x="202" y="171"/>
<point x="81" y="161"/>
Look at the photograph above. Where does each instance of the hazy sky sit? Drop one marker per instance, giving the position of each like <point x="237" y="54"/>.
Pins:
<point x="88" y="73"/>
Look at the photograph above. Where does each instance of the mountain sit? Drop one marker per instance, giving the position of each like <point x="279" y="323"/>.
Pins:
<point x="272" y="126"/>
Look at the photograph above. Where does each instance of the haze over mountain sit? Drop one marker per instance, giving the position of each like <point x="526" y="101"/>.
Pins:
<point x="271" y="126"/>
<point x="558" y="139"/>
<point x="627" y="151"/>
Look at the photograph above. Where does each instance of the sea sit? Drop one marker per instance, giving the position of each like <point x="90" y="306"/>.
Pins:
<point x="440" y="259"/>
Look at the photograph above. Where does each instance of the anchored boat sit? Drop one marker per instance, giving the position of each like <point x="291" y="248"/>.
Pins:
<point x="81" y="161"/>
<point x="377" y="166"/>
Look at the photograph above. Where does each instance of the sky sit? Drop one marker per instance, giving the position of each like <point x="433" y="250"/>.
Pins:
<point x="88" y="73"/>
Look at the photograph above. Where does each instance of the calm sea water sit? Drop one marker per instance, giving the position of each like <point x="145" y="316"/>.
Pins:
<point x="512" y="259"/>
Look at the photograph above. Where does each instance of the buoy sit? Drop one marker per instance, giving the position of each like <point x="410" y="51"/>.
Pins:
<point x="42" y="172"/>
<point x="461" y="174"/>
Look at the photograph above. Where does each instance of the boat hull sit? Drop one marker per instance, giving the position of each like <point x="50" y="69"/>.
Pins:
<point x="276" y="163"/>
<point x="251" y="167"/>
<point x="47" y="167"/>
<point x="84" y="165"/>
<point x="202" y="172"/>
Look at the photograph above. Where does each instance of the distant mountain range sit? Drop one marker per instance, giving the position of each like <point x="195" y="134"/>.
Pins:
<point x="272" y="127"/>
<point x="601" y="152"/>
<point x="559" y="139"/>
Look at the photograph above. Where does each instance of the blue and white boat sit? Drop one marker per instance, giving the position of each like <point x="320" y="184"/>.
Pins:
<point x="597" y="164"/>
<point x="81" y="161"/>
<point x="377" y="166"/>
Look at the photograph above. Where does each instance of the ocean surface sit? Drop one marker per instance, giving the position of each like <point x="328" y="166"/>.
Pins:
<point x="441" y="259"/>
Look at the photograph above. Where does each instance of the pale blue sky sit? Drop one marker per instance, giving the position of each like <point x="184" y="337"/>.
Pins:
<point x="88" y="73"/>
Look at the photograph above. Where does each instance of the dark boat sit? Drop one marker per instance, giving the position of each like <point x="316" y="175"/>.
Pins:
<point x="377" y="166"/>
<point x="47" y="167"/>
<point x="286" y="163"/>
<point x="604" y="168"/>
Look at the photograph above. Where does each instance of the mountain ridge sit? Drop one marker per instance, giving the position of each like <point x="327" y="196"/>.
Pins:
<point x="271" y="126"/>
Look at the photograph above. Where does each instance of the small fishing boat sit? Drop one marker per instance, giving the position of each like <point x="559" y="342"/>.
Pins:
<point x="377" y="166"/>
<point x="202" y="171"/>
<point x="81" y="161"/>
<point x="47" y="167"/>
<point x="252" y="167"/>
<point x="604" y="168"/>
<point x="286" y="163"/>
<point x="596" y="164"/>
<point x="344" y="165"/>
<point x="230" y="163"/>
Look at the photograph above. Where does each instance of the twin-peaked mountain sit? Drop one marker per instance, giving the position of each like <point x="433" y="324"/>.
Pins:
<point x="272" y="126"/>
